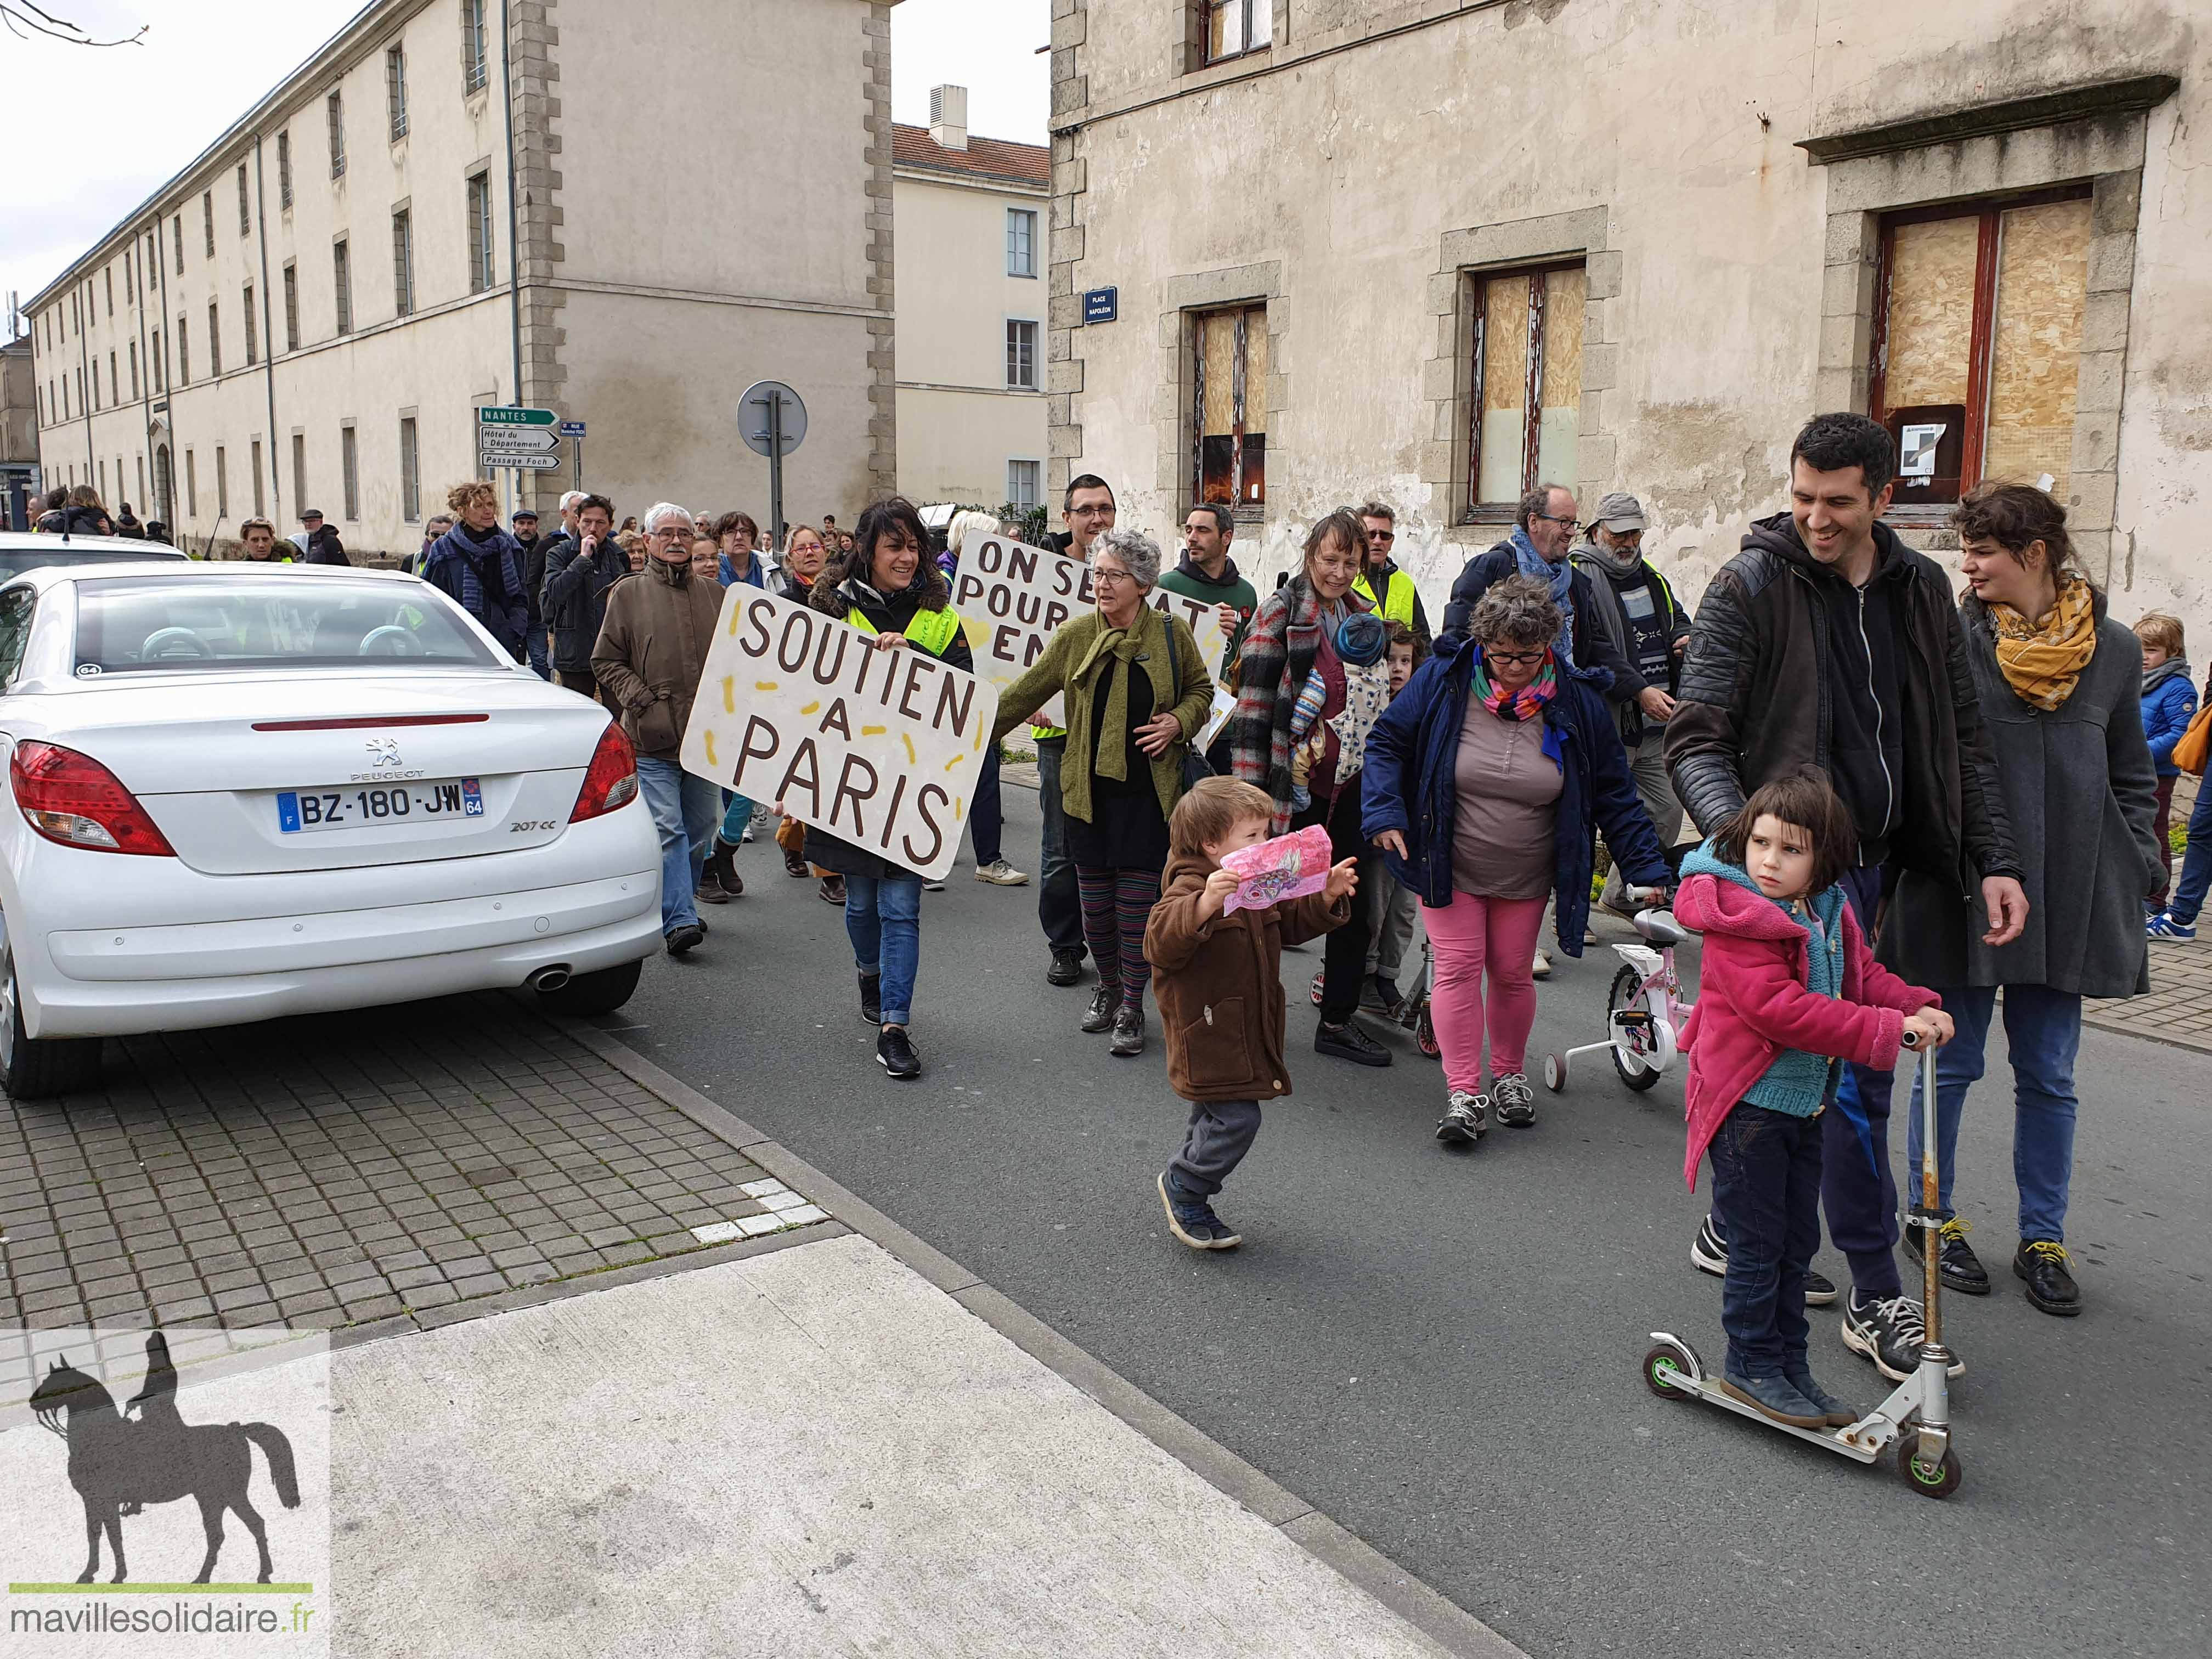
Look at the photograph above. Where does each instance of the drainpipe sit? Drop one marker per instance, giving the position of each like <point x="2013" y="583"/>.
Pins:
<point x="268" y="333"/>
<point x="514" y="217"/>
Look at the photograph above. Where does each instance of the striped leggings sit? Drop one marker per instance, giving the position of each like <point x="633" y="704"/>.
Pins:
<point x="1116" y="904"/>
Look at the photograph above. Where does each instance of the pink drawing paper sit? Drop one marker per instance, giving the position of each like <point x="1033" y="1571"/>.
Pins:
<point x="1290" y="866"/>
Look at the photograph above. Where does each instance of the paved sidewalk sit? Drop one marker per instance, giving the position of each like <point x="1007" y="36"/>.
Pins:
<point x="399" y="1163"/>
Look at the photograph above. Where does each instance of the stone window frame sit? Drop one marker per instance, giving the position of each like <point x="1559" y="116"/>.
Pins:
<point x="1183" y="298"/>
<point x="1464" y="257"/>
<point x="2095" y="134"/>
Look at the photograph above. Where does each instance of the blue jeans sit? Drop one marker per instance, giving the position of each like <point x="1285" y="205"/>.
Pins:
<point x="1060" y="905"/>
<point x="736" y="812"/>
<point x="535" y="644"/>
<point x="2042" y="1034"/>
<point x="987" y="818"/>
<point x="883" y="918"/>
<point x="1857" y="1189"/>
<point x="1766" y="1195"/>
<point x="2196" y="863"/>
<point x="684" y="808"/>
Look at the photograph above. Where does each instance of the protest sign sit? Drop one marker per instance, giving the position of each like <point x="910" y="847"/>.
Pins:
<point x="879" y="748"/>
<point x="1013" y="597"/>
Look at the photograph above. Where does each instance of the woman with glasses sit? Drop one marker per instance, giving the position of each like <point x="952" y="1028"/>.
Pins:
<point x="1483" y="784"/>
<point x="1136" y="691"/>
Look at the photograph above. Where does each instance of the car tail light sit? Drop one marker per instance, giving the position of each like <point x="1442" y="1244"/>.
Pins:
<point x="611" y="781"/>
<point x="72" y="799"/>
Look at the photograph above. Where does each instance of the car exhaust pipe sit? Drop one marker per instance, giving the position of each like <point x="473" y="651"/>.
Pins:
<point x="549" y="979"/>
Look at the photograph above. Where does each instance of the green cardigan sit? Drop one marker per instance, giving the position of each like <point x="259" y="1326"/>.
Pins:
<point x="1190" y="701"/>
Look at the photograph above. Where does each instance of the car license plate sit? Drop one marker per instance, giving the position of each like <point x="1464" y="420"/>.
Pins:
<point x="434" y="802"/>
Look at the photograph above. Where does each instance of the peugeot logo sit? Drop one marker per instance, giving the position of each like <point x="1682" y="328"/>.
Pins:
<point x="384" y="752"/>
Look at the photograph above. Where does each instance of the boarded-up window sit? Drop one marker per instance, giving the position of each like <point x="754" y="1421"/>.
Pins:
<point x="1229" y="405"/>
<point x="1977" y="341"/>
<point x="1525" y="422"/>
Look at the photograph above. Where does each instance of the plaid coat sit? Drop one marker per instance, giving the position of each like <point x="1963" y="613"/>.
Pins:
<point x="1279" y="652"/>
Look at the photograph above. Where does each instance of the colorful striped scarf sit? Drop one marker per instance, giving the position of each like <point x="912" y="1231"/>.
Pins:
<point x="1527" y="703"/>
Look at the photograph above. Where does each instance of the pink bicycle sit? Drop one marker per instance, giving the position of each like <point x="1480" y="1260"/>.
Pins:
<point x="1645" y="1009"/>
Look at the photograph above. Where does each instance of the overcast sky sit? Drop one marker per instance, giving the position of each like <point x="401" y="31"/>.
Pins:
<point x="113" y="126"/>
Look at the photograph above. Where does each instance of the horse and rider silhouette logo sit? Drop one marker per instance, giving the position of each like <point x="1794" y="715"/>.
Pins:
<point x="119" y="1465"/>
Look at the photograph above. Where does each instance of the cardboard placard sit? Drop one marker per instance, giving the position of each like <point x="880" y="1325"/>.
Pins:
<point x="1012" y="597"/>
<point x="879" y="748"/>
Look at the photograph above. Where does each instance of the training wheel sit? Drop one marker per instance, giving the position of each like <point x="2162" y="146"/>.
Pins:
<point x="1940" y="1481"/>
<point x="1664" y="1362"/>
<point x="1555" y="1072"/>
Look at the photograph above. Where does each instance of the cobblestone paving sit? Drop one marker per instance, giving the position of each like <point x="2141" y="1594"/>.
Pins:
<point x="328" y="1170"/>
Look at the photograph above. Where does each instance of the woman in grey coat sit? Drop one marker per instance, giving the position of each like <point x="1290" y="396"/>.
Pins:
<point x="2061" y="686"/>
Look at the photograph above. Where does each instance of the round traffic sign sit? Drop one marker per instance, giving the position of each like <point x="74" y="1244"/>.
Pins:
<point x="768" y="401"/>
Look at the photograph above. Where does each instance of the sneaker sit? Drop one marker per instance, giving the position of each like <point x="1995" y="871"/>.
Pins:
<point x="1128" y="1032"/>
<point x="1708" y="1255"/>
<point x="794" y="864"/>
<point x="1956" y="1264"/>
<point x="1540" y="967"/>
<point x="2163" y="926"/>
<point x="933" y="887"/>
<point x="896" y="1055"/>
<point x="1348" y="1041"/>
<point x="1000" y="873"/>
<point x="748" y="832"/>
<point x="1889" y="1330"/>
<point x="2043" y="1263"/>
<point x="1463" y="1122"/>
<point x="871" y="998"/>
<point x="1105" y="1003"/>
<point x="1515" y="1100"/>
<point x="831" y="889"/>
<point x="760" y="818"/>
<point x="1066" y="969"/>
<point x="685" y="936"/>
<point x="1834" y="1412"/>
<point x="1773" y="1398"/>
<point x="1193" y="1222"/>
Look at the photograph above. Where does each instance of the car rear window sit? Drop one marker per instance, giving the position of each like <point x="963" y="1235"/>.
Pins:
<point x="152" y="624"/>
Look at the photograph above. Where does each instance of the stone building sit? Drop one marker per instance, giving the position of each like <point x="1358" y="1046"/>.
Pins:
<point x="309" y="313"/>
<point x="19" y="434"/>
<point x="972" y="212"/>
<point x="1435" y="252"/>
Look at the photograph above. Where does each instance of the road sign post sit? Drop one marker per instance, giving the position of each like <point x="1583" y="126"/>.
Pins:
<point x="574" y="430"/>
<point x="772" y="420"/>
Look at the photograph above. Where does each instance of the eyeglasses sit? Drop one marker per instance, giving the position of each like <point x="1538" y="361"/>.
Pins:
<point x="1101" y="578"/>
<point x="1518" y="659"/>
<point x="1553" y="517"/>
<point x="1382" y="535"/>
<point x="1098" y="510"/>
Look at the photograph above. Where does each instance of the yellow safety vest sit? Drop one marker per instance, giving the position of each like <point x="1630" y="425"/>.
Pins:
<point x="1397" y="606"/>
<point x="932" y="630"/>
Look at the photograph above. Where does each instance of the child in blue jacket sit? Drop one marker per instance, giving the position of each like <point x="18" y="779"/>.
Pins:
<point x="2169" y="703"/>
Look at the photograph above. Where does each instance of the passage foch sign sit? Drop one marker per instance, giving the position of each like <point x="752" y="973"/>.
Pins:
<point x="879" y="748"/>
<point x="1012" y="597"/>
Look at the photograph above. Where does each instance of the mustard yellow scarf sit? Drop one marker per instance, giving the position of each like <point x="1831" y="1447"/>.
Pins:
<point x="2043" y="664"/>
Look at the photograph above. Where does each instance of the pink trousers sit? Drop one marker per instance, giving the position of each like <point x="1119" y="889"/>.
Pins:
<point x="1473" y="937"/>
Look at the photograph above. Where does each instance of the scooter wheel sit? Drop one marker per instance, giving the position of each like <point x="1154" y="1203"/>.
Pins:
<point x="1316" y="990"/>
<point x="1424" y="1034"/>
<point x="1555" y="1072"/>
<point x="1939" y="1480"/>
<point x="1661" y="1366"/>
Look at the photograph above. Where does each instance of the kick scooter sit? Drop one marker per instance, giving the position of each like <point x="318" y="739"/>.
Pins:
<point x="1916" y="1414"/>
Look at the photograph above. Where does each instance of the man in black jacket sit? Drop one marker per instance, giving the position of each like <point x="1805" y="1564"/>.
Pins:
<point x="1543" y="531"/>
<point x="574" y="602"/>
<point x="319" y="541"/>
<point x="525" y="528"/>
<point x="1826" y="641"/>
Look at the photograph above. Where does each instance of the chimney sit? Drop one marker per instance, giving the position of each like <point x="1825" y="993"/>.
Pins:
<point x="948" y="117"/>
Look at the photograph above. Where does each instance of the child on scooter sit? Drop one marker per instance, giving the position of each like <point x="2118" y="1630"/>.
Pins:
<point x="1787" y="989"/>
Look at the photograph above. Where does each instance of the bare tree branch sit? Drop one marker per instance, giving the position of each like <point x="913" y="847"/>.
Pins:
<point x="24" y="14"/>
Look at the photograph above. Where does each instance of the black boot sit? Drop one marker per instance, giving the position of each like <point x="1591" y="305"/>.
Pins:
<point x="719" y="881"/>
<point x="871" y="998"/>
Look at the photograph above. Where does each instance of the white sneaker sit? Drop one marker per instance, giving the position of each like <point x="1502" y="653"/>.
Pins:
<point x="748" y="835"/>
<point x="1000" y="873"/>
<point x="1463" y="1119"/>
<point x="933" y="887"/>
<point x="1541" y="968"/>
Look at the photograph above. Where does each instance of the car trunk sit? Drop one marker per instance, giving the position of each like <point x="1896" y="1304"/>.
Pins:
<point x="321" y="771"/>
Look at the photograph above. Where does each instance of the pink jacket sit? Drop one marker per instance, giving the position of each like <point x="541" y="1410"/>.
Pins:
<point x="1752" y="1002"/>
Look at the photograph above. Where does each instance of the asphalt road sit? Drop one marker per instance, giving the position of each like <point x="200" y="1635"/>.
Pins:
<point x="1440" y="1350"/>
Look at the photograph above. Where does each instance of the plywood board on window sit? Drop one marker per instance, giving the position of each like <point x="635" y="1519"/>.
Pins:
<point x="1255" y="369"/>
<point x="1931" y="312"/>
<point x="1217" y="349"/>
<point x="2043" y="265"/>
<point x="1503" y="418"/>
<point x="1565" y="309"/>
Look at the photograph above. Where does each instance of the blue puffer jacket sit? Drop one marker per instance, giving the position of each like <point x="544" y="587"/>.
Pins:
<point x="2169" y="703"/>
<point x="1407" y="785"/>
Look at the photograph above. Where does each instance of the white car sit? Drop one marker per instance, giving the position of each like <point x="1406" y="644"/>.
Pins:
<point x="241" y="792"/>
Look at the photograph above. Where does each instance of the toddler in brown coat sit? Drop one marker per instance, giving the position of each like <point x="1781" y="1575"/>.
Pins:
<point x="1218" y="978"/>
